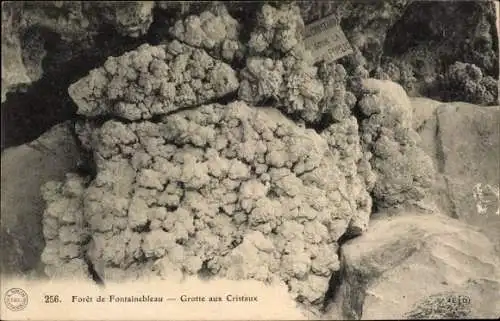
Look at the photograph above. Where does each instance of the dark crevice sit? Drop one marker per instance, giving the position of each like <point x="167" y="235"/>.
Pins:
<point x="158" y="32"/>
<point x="323" y="123"/>
<point x="360" y="118"/>
<point x="357" y="284"/>
<point x="46" y="102"/>
<point x="92" y="272"/>
<point x="86" y="166"/>
<point x="440" y="155"/>
<point x="333" y="287"/>
<point x="440" y="164"/>
<point x="344" y="238"/>
<point x="453" y="208"/>
<point x="95" y="277"/>
<point x="376" y="208"/>
<point x="223" y="100"/>
<point x="146" y="228"/>
<point x="101" y="119"/>
<point x="337" y="276"/>
<point x="171" y="208"/>
<point x="237" y="240"/>
<point x="205" y="273"/>
<point x="226" y="99"/>
<point x="245" y="12"/>
<point x="359" y="115"/>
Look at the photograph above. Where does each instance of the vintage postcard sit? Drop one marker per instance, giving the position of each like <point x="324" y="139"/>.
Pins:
<point x="250" y="160"/>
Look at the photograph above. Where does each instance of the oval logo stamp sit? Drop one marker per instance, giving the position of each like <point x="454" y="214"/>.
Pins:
<point x="16" y="299"/>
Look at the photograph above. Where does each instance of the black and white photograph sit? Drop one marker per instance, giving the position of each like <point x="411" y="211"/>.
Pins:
<point x="250" y="160"/>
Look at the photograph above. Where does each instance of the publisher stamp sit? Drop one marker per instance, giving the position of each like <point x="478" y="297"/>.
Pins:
<point x="326" y="40"/>
<point x="16" y="299"/>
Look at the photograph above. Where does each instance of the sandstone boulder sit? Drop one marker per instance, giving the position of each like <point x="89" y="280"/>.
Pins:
<point x="418" y="266"/>
<point x="25" y="169"/>
<point x="464" y="142"/>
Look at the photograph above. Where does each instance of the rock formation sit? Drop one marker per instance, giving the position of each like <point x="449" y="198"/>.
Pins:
<point x="205" y="142"/>
<point x="25" y="169"/>
<point x="418" y="266"/>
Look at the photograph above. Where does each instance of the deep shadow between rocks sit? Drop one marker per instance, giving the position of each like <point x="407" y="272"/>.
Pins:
<point x="29" y="113"/>
<point x="432" y="35"/>
<point x="337" y="276"/>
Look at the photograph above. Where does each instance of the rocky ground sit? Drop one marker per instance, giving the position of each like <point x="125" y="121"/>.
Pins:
<point x="158" y="140"/>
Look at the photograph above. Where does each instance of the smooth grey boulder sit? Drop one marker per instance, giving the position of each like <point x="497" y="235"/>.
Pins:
<point x="464" y="142"/>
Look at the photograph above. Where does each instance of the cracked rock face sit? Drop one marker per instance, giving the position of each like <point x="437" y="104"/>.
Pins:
<point x="233" y="191"/>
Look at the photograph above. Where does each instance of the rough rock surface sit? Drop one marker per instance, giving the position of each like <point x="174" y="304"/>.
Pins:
<point x="213" y="30"/>
<point x="193" y="173"/>
<point x="235" y="190"/>
<point x="404" y="172"/>
<point x="279" y="68"/>
<point x="464" y="142"/>
<point x="14" y="71"/>
<point x="129" y="18"/>
<point x="418" y="266"/>
<point x="466" y="82"/>
<point x="27" y="26"/>
<point x="24" y="170"/>
<point x="184" y="187"/>
<point x="415" y="43"/>
<point x="365" y="23"/>
<point x="227" y="190"/>
<point x="153" y="80"/>
<point x="432" y="36"/>
<point x="424" y="112"/>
